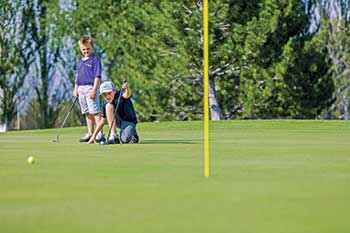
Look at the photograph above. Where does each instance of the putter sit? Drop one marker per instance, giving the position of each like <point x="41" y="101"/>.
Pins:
<point x="64" y="121"/>
<point x="115" y="112"/>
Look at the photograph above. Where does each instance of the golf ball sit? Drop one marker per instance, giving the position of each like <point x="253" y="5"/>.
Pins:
<point x="102" y="142"/>
<point x="30" y="159"/>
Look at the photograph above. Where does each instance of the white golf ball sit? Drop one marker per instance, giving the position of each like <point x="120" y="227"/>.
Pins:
<point x="30" y="160"/>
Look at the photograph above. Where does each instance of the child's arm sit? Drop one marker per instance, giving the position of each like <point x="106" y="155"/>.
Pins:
<point x="75" y="91"/>
<point x="127" y="91"/>
<point x="94" y="88"/>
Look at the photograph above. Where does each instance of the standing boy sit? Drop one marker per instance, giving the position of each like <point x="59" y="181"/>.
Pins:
<point x="125" y="116"/>
<point x="86" y="84"/>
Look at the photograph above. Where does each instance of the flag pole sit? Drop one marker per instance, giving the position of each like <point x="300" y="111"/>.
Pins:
<point x="206" y="88"/>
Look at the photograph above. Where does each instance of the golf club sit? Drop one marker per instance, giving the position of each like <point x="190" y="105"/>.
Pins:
<point x="64" y="121"/>
<point x="114" y="116"/>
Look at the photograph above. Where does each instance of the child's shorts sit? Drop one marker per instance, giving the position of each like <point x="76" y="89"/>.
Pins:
<point x="88" y="105"/>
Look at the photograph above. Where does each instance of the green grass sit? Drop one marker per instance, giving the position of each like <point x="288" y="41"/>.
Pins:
<point x="266" y="177"/>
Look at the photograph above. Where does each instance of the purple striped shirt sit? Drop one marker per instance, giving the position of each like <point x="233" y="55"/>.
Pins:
<point x="88" y="70"/>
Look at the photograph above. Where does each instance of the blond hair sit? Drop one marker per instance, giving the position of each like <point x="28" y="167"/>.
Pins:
<point x="86" y="41"/>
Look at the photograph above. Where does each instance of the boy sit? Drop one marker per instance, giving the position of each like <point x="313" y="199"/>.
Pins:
<point x="125" y="117"/>
<point x="86" y="84"/>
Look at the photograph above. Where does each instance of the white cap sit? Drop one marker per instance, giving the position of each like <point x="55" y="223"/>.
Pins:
<point x="106" y="87"/>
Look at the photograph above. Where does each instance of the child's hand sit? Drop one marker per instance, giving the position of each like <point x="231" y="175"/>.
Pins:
<point x="92" y="140"/>
<point x="75" y="93"/>
<point x="125" y="85"/>
<point x="93" y="94"/>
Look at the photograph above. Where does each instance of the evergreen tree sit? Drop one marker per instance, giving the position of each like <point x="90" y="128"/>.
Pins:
<point x="278" y="56"/>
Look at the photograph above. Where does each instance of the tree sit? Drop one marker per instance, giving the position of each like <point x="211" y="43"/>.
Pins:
<point x="334" y="27"/>
<point x="308" y="87"/>
<point x="224" y="63"/>
<point x="138" y="41"/>
<point x="277" y="50"/>
<point x="46" y="47"/>
<point x="15" y="55"/>
<point x="260" y="56"/>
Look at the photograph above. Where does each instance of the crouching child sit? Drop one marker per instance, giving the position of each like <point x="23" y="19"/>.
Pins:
<point x="125" y="116"/>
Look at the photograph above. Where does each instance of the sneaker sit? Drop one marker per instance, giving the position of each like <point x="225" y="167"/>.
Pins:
<point x="100" y="137"/>
<point x="86" y="138"/>
<point x="135" y="138"/>
<point x="114" y="139"/>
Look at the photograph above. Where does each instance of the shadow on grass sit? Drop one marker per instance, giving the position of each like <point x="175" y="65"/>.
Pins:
<point x="163" y="141"/>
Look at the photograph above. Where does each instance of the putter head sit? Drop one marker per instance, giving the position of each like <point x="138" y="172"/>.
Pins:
<point x="55" y="140"/>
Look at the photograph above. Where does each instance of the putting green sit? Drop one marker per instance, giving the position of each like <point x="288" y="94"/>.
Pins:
<point x="266" y="177"/>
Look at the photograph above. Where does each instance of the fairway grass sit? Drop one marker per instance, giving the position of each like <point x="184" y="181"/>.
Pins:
<point x="266" y="177"/>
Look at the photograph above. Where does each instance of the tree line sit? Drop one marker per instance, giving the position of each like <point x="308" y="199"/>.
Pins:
<point x="268" y="58"/>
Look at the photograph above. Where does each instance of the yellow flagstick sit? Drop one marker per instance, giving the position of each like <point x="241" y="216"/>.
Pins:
<point x="206" y="88"/>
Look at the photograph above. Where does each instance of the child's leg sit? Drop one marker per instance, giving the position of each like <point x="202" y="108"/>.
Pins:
<point x="90" y="122"/>
<point x="97" y="119"/>
<point x="83" y="92"/>
<point x="93" y="106"/>
<point x="127" y="131"/>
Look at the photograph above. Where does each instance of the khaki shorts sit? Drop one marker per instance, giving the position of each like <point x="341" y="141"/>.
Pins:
<point x="88" y="105"/>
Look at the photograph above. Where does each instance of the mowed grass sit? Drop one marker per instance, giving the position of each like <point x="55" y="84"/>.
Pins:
<point x="266" y="177"/>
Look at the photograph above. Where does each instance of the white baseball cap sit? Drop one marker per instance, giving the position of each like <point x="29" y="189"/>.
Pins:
<point x="106" y="87"/>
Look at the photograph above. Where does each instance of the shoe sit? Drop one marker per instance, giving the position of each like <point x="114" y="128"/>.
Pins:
<point x="100" y="137"/>
<point x="135" y="138"/>
<point x="86" y="138"/>
<point x="114" y="139"/>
